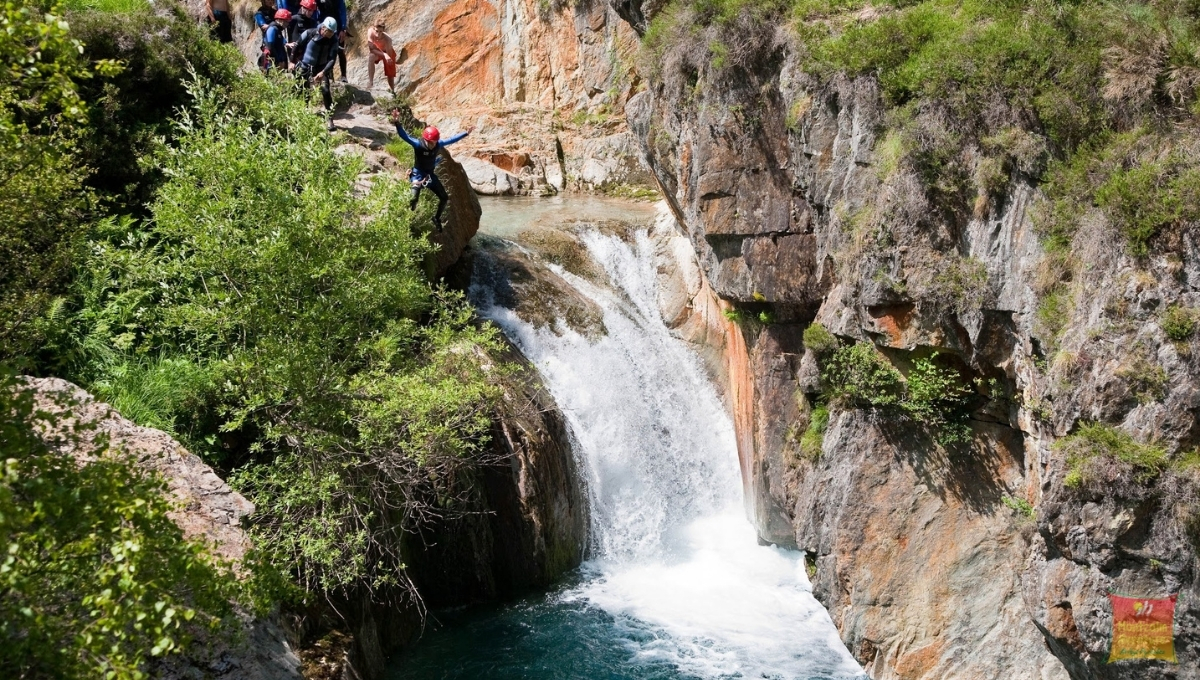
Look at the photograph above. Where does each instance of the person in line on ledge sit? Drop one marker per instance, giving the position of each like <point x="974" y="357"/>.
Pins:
<point x="320" y="49"/>
<point x="263" y="16"/>
<point x="306" y="19"/>
<point x="380" y="46"/>
<point x="220" y="20"/>
<point x="337" y="10"/>
<point x="274" y="46"/>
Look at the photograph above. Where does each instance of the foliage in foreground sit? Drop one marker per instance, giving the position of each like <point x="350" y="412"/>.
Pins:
<point x="95" y="578"/>
<point x="84" y="106"/>
<point x="41" y="184"/>
<point x="279" y="323"/>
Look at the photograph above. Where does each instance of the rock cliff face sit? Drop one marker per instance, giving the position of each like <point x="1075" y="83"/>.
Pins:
<point x="542" y="82"/>
<point x="526" y="528"/>
<point x="783" y="190"/>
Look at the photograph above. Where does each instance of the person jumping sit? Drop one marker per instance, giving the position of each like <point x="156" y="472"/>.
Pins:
<point x="426" y="154"/>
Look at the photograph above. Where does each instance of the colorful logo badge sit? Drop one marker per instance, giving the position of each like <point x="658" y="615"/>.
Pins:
<point x="1142" y="629"/>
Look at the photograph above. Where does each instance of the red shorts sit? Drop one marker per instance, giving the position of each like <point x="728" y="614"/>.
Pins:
<point x="389" y="68"/>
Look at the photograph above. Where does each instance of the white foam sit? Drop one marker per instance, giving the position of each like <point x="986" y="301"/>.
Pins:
<point x="670" y="545"/>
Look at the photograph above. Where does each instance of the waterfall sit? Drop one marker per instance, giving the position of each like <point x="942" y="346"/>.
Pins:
<point x="673" y="560"/>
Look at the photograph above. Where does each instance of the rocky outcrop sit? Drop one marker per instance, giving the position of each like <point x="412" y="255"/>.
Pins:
<point x="527" y="527"/>
<point x="543" y="84"/>
<point x="530" y="526"/>
<point x="795" y="211"/>
<point x="208" y="510"/>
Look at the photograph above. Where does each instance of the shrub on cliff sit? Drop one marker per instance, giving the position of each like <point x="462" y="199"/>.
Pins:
<point x="95" y="578"/>
<point x="819" y="339"/>
<point x="813" y="439"/>
<point x="289" y="316"/>
<point x="859" y="376"/>
<point x="1105" y="460"/>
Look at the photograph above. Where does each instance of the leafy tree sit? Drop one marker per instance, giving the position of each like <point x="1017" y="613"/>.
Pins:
<point x="131" y="114"/>
<point x="291" y="309"/>
<point x="41" y="194"/>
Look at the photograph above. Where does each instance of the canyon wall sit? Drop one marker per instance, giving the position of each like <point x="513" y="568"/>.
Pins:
<point x="543" y="84"/>
<point x="923" y="554"/>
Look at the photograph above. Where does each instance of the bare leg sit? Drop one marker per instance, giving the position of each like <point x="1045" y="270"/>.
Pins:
<point x="371" y="71"/>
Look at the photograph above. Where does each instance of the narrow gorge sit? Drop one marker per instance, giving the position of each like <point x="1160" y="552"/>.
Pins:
<point x="813" y="339"/>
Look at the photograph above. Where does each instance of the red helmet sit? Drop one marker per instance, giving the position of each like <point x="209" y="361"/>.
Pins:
<point x="431" y="135"/>
<point x="283" y="15"/>
<point x="308" y="4"/>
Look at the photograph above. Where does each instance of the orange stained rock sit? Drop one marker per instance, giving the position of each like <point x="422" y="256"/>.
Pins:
<point x="915" y="663"/>
<point x="894" y="321"/>
<point x="459" y="61"/>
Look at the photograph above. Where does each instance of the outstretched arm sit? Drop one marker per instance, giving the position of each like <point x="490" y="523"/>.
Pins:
<point x="405" y="136"/>
<point x="450" y="140"/>
<point x="394" y="116"/>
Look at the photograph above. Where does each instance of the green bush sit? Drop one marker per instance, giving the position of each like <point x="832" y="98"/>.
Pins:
<point x="268" y="294"/>
<point x="933" y="395"/>
<point x="858" y="375"/>
<point x="1054" y="312"/>
<point x="819" y="339"/>
<point x="95" y="578"/>
<point x="1179" y="323"/>
<point x="813" y="439"/>
<point x="1020" y="506"/>
<point x="1104" y="459"/>
<point x="1146" y="378"/>
<point x="936" y="397"/>
<point x="42" y="198"/>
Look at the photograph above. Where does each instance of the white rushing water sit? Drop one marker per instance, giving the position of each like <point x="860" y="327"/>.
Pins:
<point x="671" y="546"/>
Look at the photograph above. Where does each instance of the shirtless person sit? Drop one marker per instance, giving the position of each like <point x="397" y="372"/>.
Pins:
<point x="222" y="22"/>
<point x="380" y="46"/>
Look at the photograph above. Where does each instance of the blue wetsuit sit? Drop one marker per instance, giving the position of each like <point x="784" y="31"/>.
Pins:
<point x="263" y="17"/>
<point x="275" y="45"/>
<point x="425" y="159"/>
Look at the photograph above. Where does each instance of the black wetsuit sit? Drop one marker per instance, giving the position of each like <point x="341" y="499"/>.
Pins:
<point x="337" y="10"/>
<point x="319" y="55"/>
